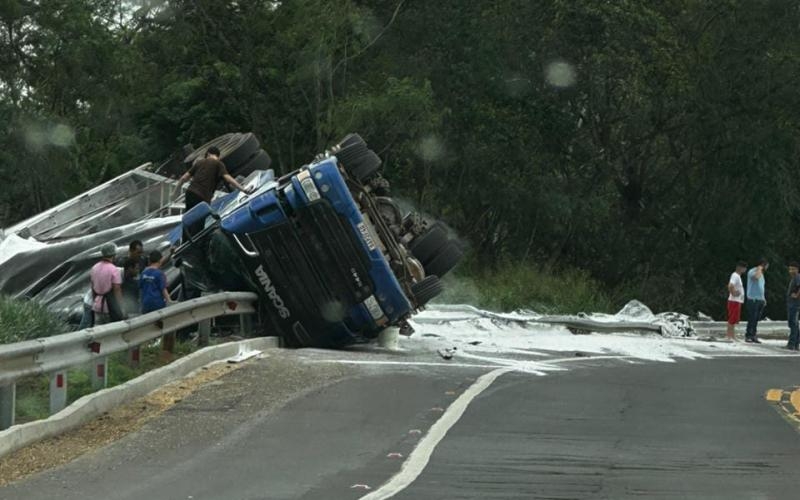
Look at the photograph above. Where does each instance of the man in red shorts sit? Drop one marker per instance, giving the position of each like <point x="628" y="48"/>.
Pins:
<point x="735" y="297"/>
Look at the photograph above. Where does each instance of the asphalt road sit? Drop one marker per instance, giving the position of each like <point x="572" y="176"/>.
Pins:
<point x="312" y="425"/>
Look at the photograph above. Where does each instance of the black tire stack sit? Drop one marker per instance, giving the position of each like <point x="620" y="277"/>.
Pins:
<point x="360" y="162"/>
<point x="241" y="153"/>
<point x="435" y="250"/>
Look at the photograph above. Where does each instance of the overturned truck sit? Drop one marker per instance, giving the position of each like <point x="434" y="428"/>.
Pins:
<point x="331" y="255"/>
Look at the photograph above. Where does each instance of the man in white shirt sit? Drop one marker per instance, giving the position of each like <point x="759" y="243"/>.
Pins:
<point x="735" y="297"/>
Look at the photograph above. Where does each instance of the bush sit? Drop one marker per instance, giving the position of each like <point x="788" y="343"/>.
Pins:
<point x="517" y="285"/>
<point x="25" y="319"/>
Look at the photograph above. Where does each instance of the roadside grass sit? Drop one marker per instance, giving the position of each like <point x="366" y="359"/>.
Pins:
<point x="33" y="394"/>
<point x="25" y="319"/>
<point x="519" y="285"/>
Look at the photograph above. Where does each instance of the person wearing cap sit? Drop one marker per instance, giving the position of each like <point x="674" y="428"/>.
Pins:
<point x="793" y="306"/>
<point x="205" y="175"/>
<point x="106" y="284"/>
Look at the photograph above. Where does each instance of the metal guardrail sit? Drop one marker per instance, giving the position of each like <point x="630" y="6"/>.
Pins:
<point x="466" y="312"/>
<point x="54" y="355"/>
<point x="772" y="328"/>
<point x="461" y="312"/>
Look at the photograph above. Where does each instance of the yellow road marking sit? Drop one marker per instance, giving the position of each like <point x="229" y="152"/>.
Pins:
<point x="795" y="399"/>
<point x="774" y="395"/>
<point x="787" y="402"/>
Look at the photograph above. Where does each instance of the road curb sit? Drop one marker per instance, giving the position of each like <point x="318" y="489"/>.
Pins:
<point x="95" y="404"/>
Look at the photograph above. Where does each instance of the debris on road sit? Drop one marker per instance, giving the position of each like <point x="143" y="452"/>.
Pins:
<point x="447" y="353"/>
<point x="244" y="356"/>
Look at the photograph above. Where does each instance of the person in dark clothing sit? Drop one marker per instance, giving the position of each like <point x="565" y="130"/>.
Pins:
<point x="132" y="266"/>
<point x="136" y="254"/>
<point x="793" y="306"/>
<point x="205" y="175"/>
<point x="130" y="285"/>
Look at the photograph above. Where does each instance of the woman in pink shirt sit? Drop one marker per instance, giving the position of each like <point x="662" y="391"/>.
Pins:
<point x="106" y="286"/>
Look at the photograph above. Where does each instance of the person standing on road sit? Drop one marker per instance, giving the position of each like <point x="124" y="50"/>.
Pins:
<point x="106" y="287"/>
<point x="756" y="300"/>
<point x="735" y="298"/>
<point x="793" y="306"/>
<point x="205" y="175"/>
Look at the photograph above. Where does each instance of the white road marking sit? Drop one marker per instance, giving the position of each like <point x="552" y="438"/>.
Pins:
<point x="402" y="363"/>
<point x="587" y="357"/>
<point x="418" y="460"/>
<point x="748" y="355"/>
<point x="512" y="364"/>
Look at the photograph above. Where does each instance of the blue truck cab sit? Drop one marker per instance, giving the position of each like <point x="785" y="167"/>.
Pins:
<point x="329" y="261"/>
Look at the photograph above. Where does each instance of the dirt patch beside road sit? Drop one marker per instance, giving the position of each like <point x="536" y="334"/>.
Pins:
<point x="107" y="428"/>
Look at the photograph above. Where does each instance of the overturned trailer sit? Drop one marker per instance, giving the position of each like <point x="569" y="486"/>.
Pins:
<point x="329" y="252"/>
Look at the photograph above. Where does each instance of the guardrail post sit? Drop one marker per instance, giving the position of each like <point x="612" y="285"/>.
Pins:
<point x="134" y="356"/>
<point x="100" y="373"/>
<point x="246" y="324"/>
<point x="8" y="401"/>
<point x="203" y="332"/>
<point x="58" y="391"/>
<point x="168" y="343"/>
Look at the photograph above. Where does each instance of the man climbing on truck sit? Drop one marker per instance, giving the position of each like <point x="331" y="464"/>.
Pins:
<point x="205" y="175"/>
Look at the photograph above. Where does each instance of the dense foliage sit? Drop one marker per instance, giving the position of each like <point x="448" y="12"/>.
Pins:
<point x="648" y="144"/>
<point x="24" y="320"/>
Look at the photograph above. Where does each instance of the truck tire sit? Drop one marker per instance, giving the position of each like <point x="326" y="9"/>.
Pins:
<point x="424" y="291"/>
<point x="351" y="139"/>
<point x="261" y="161"/>
<point x="426" y="246"/>
<point x="235" y="149"/>
<point x="359" y="162"/>
<point x="445" y="260"/>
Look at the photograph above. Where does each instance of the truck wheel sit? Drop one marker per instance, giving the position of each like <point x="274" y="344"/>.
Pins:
<point x="426" y="246"/>
<point x="445" y="260"/>
<point x="359" y="162"/>
<point x="351" y="139"/>
<point x="424" y="291"/>
<point x="261" y="161"/>
<point x="235" y="149"/>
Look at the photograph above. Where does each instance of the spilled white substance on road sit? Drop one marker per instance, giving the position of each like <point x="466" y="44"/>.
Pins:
<point x="516" y="340"/>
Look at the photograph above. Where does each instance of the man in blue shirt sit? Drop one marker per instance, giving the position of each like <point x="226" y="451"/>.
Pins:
<point x="153" y="285"/>
<point x="756" y="300"/>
